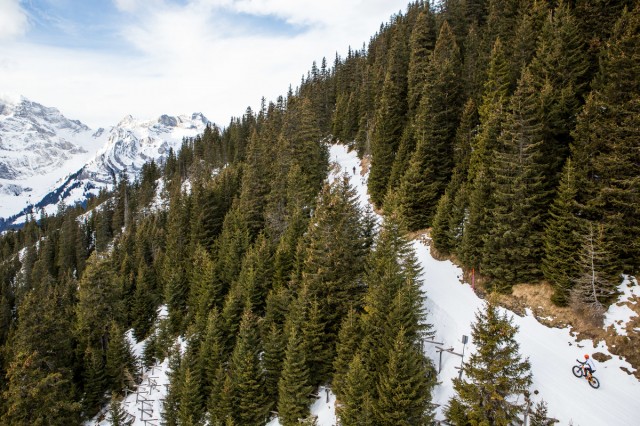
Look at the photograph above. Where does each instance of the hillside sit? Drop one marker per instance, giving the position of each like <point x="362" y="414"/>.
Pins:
<point x="501" y="134"/>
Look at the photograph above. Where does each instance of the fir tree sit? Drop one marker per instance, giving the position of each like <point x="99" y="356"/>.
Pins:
<point x="334" y="257"/>
<point x="95" y="382"/>
<point x="495" y="374"/>
<point x="39" y="388"/>
<point x="539" y="417"/>
<point x="356" y="405"/>
<point x="404" y="387"/>
<point x="348" y="342"/>
<point x="247" y="374"/>
<point x="561" y="242"/>
<point x="117" y="415"/>
<point x="143" y="311"/>
<point x="390" y="119"/>
<point x="435" y="126"/>
<point x="448" y="221"/>
<point x="294" y="388"/>
<point x="492" y="112"/>
<point x="121" y="367"/>
<point x="190" y="399"/>
<point x="513" y="243"/>
<point x="612" y="114"/>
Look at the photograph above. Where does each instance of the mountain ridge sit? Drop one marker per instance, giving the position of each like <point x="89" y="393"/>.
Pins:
<point x="47" y="158"/>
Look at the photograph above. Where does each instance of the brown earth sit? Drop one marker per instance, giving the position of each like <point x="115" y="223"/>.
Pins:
<point x="537" y="297"/>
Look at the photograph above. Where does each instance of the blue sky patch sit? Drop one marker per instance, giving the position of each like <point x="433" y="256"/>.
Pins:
<point x="76" y="24"/>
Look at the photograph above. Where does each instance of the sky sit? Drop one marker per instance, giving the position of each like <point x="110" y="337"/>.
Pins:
<point x="99" y="60"/>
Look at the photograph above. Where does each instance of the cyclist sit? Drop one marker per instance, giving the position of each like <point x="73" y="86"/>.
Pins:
<point x="588" y="366"/>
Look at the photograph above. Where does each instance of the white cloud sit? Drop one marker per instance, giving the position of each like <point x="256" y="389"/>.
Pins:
<point x="191" y="57"/>
<point x="13" y="19"/>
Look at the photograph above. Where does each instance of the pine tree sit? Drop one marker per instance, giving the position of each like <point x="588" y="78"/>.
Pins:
<point x="211" y="356"/>
<point x="404" y="387"/>
<point x="495" y="374"/>
<point x="559" y="71"/>
<point x="294" y="388"/>
<point x="492" y="113"/>
<point x="171" y="403"/>
<point x="117" y="415"/>
<point x="99" y="303"/>
<point x="121" y="367"/>
<point x="190" y="399"/>
<point x="176" y="283"/>
<point x="204" y="288"/>
<point x="39" y="389"/>
<point x="143" y="311"/>
<point x="561" y="242"/>
<point x="274" y="343"/>
<point x="436" y="122"/>
<point x="390" y="119"/>
<point x="333" y="257"/>
<point x="247" y="375"/>
<point x="421" y="44"/>
<point x="95" y="382"/>
<point x="348" y="342"/>
<point x="450" y="214"/>
<point x="612" y="114"/>
<point x="356" y="405"/>
<point x="513" y="243"/>
<point x="539" y="417"/>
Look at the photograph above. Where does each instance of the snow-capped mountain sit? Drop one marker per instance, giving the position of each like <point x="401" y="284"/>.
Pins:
<point x="46" y="158"/>
<point x="38" y="146"/>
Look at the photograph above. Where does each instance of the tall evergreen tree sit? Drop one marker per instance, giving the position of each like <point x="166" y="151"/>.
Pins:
<point x="495" y="374"/>
<point x="334" y="255"/>
<point x="610" y="191"/>
<point x="404" y="387"/>
<point x="513" y="243"/>
<point x="561" y="238"/>
<point x="436" y="123"/>
<point x="356" y="405"/>
<point x="492" y="112"/>
<point x="39" y="386"/>
<point x="247" y="375"/>
<point x="121" y="367"/>
<point x="294" y="388"/>
<point x="390" y="118"/>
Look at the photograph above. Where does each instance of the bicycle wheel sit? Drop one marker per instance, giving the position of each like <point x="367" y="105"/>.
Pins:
<point x="577" y="371"/>
<point x="594" y="383"/>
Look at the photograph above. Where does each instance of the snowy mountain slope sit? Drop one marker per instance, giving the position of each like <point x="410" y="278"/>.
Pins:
<point x="123" y="148"/>
<point x="451" y="307"/>
<point x="38" y="146"/>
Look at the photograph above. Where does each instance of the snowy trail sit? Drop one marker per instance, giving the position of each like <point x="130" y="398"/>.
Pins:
<point x="451" y="307"/>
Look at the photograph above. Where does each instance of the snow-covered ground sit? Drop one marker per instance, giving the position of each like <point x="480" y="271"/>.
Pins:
<point x="143" y="404"/>
<point x="451" y="306"/>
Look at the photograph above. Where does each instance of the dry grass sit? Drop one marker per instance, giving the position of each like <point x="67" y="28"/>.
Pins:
<point x="537" y="298"/>
<point x="365" y="163"/>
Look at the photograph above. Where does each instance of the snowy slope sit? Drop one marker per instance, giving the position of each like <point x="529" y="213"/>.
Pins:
<point x="38" y="146"/>
<point x="123" y="148"/>
<point x="451" y="307"/>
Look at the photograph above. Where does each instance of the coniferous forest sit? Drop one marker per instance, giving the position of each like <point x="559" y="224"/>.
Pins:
<point x="510" y="128"/>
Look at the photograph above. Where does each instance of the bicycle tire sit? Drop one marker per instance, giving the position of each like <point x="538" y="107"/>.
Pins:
<point x="594" y="382"/>
<point x="577" y="371"/>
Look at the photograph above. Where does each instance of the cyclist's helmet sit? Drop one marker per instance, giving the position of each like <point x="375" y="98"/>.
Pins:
<point x="586" y="356"/>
